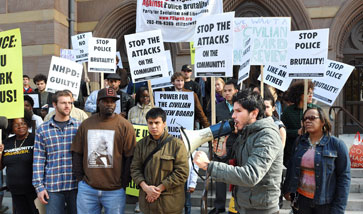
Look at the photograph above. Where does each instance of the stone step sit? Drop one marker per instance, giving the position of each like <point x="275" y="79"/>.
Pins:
<point x="355" y="200"/>
<point x="356" y="172"/>
<point x="356" y="185"/>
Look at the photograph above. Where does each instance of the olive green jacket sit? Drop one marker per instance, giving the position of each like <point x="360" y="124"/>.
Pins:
<point x="169" y="166"/>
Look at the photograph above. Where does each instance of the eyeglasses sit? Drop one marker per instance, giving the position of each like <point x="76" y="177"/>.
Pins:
<point x="187" y="70"/>
<point x="311" y="118"/>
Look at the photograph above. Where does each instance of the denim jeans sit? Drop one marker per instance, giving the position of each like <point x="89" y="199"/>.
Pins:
<point x="62" y="202"/>
<point x="188" y="203"/>
<point x="91" y="201"/>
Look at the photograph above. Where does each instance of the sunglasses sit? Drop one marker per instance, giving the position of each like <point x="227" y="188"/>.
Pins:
<point x="311" y="118"/>
<point x="187" y="70"/>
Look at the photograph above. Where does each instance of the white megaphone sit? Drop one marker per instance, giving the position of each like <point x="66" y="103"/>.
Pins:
<point x="194" y="138"/>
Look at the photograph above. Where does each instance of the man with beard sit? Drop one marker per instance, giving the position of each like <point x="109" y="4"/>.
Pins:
<point x="53" y="178"/>
<point x="259" y="154"/>
<point x="102" y="183"/>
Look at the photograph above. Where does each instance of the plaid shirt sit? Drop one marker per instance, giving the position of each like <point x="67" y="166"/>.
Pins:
<point x="52" y="163"/>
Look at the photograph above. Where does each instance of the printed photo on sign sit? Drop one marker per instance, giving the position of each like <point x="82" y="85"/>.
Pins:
<point x="176" y="19"/>
<point x="308" y="53"/>
<point x="102" y="55"/>
<point x="11" y="74"/>
<point x="100" y="148"/>
<point x="213" y="42"/>
<point x="80" y="42"/>
<point x="179" y="108"/>
<point x="145" y="52"/>
<point x="64" y="74"/>
<point x="327" y="89"/>
<point x="270" y="39"/>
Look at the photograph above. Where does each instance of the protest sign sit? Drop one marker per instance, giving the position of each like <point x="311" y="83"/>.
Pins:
<point x="307" y="53"/>
<point x="276" y="76"/>
<point x="213" y="42"/>
<point x="141" y="131"/>
<point x="145" y="52"/>
<point x="11" y="74"/>
<point x="244" y="69"/>
<point x="36" y="98"/>
<point x="118" y="105"/>
<point x="192" y="52"/>
<point x="102" y="55"/>
<point x="328" y="88"/>
<point x="119" y="64"/>
<point x="80" y="42"/>
<point x="64" y="74"/>
<point x="179" y="108"/>
<point x="269" y="35"/>
<point x="69" y="54"/>
<point x="162" y="82"/>
<point x="169" y="62"/>
<point x="176" y="19"/>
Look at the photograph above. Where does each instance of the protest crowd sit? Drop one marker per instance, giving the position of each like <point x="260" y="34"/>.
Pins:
<point x="141" y="135"/>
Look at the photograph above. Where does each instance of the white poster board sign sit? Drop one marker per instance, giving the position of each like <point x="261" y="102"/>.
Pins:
<point x="327" y="89"/>
<point x="80" y="42"/>
<point x="179" y="108"/>
<point x="244" y="69"/>
<point x="169" y="62"/>
<point x="102" y="55"/>
<point x="35" y="98"/>
<point x="119" y="64"/>
<point x="276" y="76"/>
<point x="145" y="52"/>
<point x="162" y="82"/>
<point x="176" y="19"/>
<point x="308" y="53"/>
<point x="69" y="54"/>
<point x="270" y="39"/>
<point x="64" y="74"/>
<point x="118" y="105"/>
<point x="213" y="42"/>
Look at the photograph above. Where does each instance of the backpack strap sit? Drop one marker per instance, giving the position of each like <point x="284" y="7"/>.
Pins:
<point x="158" y="147"/>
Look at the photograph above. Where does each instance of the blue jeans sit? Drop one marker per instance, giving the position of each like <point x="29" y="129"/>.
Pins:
<point x="188" y="203"/>
<point x="57" y="202"/>
<point x="91" y="201"/>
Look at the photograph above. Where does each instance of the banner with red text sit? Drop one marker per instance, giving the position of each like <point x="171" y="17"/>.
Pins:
<point x="176" y="18"/>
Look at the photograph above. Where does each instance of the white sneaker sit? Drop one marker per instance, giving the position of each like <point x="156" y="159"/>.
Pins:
<point x="137" y="207"/>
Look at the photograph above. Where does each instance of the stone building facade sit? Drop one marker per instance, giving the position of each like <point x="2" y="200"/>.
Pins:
<point x="47" y="24"/>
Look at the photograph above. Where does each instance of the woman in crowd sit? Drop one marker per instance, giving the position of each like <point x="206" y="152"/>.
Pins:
<point x="17" y="157"/>
<point x="219" y="84"/>
<point x="270" y="111"/>
<point x="292" y="115"/>
<point x="138" y="112"/>
<point x="143" y="105"/>
<point x="318" y="175"/>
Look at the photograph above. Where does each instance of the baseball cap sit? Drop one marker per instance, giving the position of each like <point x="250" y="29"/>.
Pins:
<point x="113" y="76"/>
<point x="107" y="92"/>
<point x="187" y="68"/>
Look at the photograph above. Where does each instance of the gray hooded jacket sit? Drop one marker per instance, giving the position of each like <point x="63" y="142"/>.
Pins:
<point x="257" y="176"/>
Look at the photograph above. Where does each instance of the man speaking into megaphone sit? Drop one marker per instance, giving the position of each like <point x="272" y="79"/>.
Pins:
<point x="259" y="154"/>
